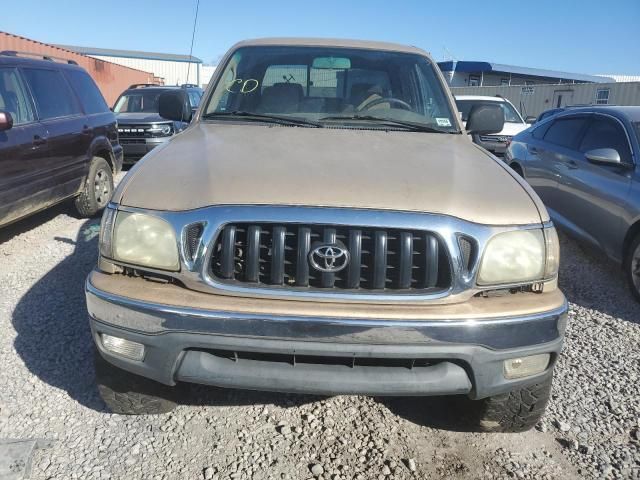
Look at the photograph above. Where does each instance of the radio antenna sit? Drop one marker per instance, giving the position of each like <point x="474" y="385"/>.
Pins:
<point x="193" y="36"/>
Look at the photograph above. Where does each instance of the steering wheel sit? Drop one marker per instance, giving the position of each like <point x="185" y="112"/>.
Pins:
<point x="390" y="100"/>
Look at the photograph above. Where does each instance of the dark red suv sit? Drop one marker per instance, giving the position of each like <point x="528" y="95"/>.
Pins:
<point x="58" y="138"/>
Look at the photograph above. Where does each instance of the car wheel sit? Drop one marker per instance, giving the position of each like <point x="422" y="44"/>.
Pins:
<point x="515" y="411"/>
<point x="129" y="394"/>
<point x="631" y="267"/>
<point x="97" y="190"/>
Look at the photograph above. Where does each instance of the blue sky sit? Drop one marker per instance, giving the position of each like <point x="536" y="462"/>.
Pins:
<point x="588" y="36"/>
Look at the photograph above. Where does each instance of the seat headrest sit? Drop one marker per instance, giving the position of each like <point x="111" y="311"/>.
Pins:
<point x="281" y="98"/>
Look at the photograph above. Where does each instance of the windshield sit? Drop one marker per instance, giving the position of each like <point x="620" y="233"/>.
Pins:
<point x="137" y="102"/>
<point x="510" y="114"/>
<point x="332" y="85"/>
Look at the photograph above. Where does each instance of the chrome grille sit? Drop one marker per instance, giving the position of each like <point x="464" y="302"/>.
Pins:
<point x="277" y="255"/>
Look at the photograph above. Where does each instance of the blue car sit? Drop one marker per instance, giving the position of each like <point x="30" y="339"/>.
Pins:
<point x="583" y="163"/>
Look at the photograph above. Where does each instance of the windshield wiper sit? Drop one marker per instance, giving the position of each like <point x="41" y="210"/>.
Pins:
<point x="263" y="117"/>
<point x="413" y="126"/>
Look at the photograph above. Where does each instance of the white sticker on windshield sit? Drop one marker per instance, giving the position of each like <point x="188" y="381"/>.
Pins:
<point x="443" y="122"/>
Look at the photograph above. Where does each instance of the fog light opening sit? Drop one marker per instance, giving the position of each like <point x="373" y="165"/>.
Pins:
<point x="120" y="346"/>
<point x="526" y="366"/>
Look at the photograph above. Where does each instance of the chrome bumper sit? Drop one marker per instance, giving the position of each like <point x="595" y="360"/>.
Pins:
<point x="177" y="339"/>
<point x="493" y="333"/>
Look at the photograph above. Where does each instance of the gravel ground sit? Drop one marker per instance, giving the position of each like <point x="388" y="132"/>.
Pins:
<point x="591" y="430"/>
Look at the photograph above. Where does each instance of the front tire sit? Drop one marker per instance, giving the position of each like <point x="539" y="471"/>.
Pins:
<point x="631" y="266"/>
<point x="515" y="411"/>
<point x="97" y="190"/>
<point x="128" y="394"/>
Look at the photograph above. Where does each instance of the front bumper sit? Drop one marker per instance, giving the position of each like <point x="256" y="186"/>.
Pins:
<point x="136" y="148"/>
<point x="307" y="354"/>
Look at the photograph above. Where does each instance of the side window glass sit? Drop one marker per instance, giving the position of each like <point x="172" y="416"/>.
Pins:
<point x="51" y="93"/>
<point x="13" y="97"/>
<point x="194" y="99"/>
<point x="563" y="132"/>
<point x="538" y="132"/>
<point x="604" y="133"/>
<point x="90" y="97"/>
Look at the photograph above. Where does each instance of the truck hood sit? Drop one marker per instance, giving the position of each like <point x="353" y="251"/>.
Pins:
<point x="239" y="164"/>
<point x="142" y="117"/>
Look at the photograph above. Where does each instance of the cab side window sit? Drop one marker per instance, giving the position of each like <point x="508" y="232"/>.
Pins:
<point x="90" y="97"/>
<point x="564" y="131"/>
<point x="51" y="93"/>
<point x="606" y="133"/>
<point x="13" y="97"/>
<point x="194" y="98"/>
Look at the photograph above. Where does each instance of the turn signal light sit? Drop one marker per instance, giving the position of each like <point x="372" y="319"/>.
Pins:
<point x="122" y="347"/>
<point x="526" y="366"/>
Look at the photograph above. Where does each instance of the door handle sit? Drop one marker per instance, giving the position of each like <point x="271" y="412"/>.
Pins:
<point x="38" y="140"/>
<point x="86" y="130"/>
<point x="533" y="149"/>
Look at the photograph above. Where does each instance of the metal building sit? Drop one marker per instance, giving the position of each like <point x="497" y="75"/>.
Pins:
<point x="170" y="69"/>
<point x="532" y="100"/>
<point x="110" y="77"/>
<point x="483" y="74"/>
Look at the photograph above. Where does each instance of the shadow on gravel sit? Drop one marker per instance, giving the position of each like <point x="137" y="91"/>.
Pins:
<point x="33" y="221"/>
<point x="592" y="281"/>
<point x="456" y="413"/>
<point x="53" y="335"/>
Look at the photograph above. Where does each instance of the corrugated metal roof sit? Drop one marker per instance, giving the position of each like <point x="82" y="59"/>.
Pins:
<point x="623" y="78"/>
<point x="472" y="67"/>
<point x="108" y="52"/>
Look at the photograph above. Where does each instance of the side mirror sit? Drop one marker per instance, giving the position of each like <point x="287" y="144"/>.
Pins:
<point x="6" y="121"/>
<point x="530" y="120"/>
<point x="609" y="156"/>
<point x="485" y="119"/>
<point x="174" y="105"/>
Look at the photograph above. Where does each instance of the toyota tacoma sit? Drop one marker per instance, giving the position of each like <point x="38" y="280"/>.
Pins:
<point x="326" y="226"/>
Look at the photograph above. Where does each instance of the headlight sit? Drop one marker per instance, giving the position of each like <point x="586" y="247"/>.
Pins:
<point x="143" y="240"/>
<point x="163" y="130"/>
<point x="513" y="257"/>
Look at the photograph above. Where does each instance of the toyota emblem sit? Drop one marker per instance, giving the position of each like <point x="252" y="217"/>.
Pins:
<point x="329" y="258"/>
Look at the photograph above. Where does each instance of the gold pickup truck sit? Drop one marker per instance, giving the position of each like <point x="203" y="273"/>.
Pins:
<point x="325" y="225"/>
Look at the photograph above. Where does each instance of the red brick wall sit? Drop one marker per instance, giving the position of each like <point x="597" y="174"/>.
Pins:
<point x="112" y="79"/>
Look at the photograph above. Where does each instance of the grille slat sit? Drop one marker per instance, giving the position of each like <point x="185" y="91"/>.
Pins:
<point x="406" y="260"/>
<point x="277" y="255"/>
<point x="227" y="267"/>
<point x="354" y="268"/>
<point x="302" y="265"/>
<point x="431" y="259"/>
<point x="381" y="260"/>
<point x="252" y="270"/>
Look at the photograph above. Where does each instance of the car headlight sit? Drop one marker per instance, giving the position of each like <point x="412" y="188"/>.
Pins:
<point x="162" y="130"/>
<point x="520" y="256"/>
<point x="139" y="239"/>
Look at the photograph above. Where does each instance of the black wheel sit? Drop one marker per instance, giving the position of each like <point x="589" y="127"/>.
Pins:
<point x="631" y="266"/>
<point x="515" y="411"/>
<point x="129" y="394"/>
<point x="97" y="190"/>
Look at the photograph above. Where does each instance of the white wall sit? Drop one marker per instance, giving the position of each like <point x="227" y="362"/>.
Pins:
<point x="206" y="72"/>
<point x="173" y="73"/>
